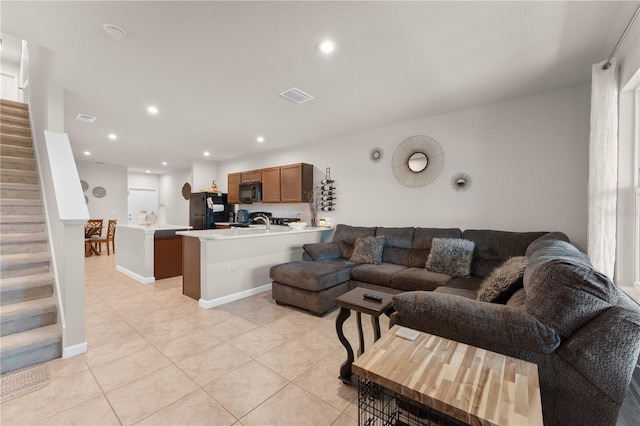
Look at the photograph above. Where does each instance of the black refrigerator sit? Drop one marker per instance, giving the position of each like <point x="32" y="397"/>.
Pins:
<point x="207" y="208"/>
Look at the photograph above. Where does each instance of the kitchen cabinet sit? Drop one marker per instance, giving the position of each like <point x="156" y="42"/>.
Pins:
<point x="233" y="188"/>
<point x="296" y="182"/>
<point x="271" y="185"/>
<point x="252" y="176"/>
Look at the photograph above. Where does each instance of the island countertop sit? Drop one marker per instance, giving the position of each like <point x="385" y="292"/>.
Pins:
<point x="151" y="229"/>
<point x="253" y="232"/>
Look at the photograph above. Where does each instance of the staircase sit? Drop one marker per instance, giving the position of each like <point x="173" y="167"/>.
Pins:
<point x="28" y="312"/>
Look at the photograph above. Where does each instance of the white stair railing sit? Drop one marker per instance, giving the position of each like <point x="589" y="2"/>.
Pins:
<point x="23" y="80"/>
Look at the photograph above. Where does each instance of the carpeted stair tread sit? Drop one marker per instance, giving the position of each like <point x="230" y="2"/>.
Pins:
<point x="16" y="163"/>
<point x="23" y="218"/>
<point x="28" y="308"/>
<point x="16" y="140"/>
<point x="22" y="202"/>
<point x="28" y="237"/>
<point x="28" y="340"/>
<point x="12" y="129"/>
<point x="16" y="151"/>
<point x="20" y="186"/>
<point x="13" y="104"/>
<point x="14" y="172"/>
<point x="21" y="289"/>
<point x="16" y="121"/>
<point x="17" y="260"/>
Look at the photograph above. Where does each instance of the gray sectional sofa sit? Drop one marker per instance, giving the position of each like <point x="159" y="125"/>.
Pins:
<point x="570" y="320"/>
<point x="314" y="285"/>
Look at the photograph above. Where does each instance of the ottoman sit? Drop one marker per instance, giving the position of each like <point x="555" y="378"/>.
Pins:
<point x="310" y="285"/>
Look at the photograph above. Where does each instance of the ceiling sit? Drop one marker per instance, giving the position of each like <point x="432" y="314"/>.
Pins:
<point x="215" y="69"/>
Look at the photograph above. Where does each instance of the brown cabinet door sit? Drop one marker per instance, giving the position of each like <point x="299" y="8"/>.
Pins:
<point x="252" y="176"/>
<point x="233" y="188"/>
<point x="271" y="185"/>
<point x="296" y="181"/>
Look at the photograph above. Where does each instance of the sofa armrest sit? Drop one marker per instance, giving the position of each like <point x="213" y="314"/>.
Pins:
<point x="486" y="325"/>
<point x="322" y="251"/>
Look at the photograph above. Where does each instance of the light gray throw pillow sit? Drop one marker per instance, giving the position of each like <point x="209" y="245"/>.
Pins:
<point x="368" y="250"/>
<point x="451" y="256"/>
<point x="503" y="281"/>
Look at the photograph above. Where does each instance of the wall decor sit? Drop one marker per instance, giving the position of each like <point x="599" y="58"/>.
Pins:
<point x="417" y="161"/>
<point x="186" y="191"/>
<point x="375" y="155"/>
<point x="461" y="182"/>
<point x="99" y="192"/>
<point x="84" y="185"/>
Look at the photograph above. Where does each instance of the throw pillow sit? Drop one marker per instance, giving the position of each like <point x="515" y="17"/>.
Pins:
<point x="503" y="281"/>
<point x="451" y="256"/>
<point x="368" y="250"/>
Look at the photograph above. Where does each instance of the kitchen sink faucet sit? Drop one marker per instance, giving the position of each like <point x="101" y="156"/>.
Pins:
<point x="265" y="219"/>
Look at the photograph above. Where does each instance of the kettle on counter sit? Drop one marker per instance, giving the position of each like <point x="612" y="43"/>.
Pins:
<point x="242" y="216"/>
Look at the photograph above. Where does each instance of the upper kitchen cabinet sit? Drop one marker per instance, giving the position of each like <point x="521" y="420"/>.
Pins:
<point x="271" y="185"/>
<point x="296" y="181"/>
<point x="252" y="176"/>
<point x="233" y="188"/>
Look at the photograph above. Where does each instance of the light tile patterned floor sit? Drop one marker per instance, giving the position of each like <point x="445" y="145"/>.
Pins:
<point x="156" y="358"/>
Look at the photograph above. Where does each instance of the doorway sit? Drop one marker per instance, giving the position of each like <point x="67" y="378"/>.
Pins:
<point x="141" y="199"/>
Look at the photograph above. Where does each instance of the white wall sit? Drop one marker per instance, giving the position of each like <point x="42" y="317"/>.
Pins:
<point x="143" y="180"/>
<point x="114" y="180"/>
<point x="170" y="194"/>
<point x="203" y="172"/>
<point x="9" y="80"/>
<point x="528" y="159"/>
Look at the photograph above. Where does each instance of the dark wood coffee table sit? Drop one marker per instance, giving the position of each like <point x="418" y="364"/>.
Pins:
<point x="354" y="301"/>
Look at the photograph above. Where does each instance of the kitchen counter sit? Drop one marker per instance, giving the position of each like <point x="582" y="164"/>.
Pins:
<point x="248" y="232"/>
<point x="148" y="253"/>
<point x="223" y="265"/>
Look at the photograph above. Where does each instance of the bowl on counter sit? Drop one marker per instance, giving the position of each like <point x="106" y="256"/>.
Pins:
<point x="297" y="226"/>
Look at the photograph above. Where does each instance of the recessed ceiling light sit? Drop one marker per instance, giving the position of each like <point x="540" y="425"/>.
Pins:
<point x="113" y="137"/>
<point x="206" y="153"/>
<point x="87" y="153"/>
<point x="164" y="163"/>
<point x="152" y="109"/>
<point x="327" y="46"/>
<point x="148" y="171"/>
<point x="260" y="139"/>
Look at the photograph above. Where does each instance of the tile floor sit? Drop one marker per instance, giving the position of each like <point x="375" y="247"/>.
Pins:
<point x="156" y="358"/>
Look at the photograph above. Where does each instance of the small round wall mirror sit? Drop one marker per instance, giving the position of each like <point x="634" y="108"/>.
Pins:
<point x="417" y="162"/>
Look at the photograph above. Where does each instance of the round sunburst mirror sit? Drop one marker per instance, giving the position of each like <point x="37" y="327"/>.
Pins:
<point x="417" y="161"/>
<point x="461" y="182"/>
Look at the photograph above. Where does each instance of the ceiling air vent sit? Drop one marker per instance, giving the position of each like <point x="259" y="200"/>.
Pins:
<point x="86" y="118"/>
<point x="296" y="95"/>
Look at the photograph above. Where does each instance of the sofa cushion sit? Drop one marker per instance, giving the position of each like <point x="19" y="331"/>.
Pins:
<point x="494" y="247"/>
<point x="322" y="251"/>
<point x="397" y="244"/>
<point x="462" y="292"/>
<point x="411" y="279"/>
<point x="421" y="246"/>
<point x="312" y="276"/>
<point x="346" y="236"/>
<point x="518" y="299"/>
<point x="503" y="281"/>
<point x="467" y="283"/>
<point x="368" y="250"/>
<point x="376" y="274"/>
<point x="563" y="289"/>
<point x="450" y="256"/>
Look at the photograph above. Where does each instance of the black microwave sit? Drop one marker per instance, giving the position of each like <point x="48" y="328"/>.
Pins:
<point x="250" y="193"/>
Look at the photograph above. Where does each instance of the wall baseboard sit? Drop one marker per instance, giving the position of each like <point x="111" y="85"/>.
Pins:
<point x="137" y="277"/>
<point x="206" y="304"/>
<point x="74" y="350"/>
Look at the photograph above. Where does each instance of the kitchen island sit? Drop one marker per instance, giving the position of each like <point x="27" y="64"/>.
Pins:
<point x="223" y="265"/>
<point x="149" y="253"/>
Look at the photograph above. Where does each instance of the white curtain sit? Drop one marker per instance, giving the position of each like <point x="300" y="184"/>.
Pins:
<point x="603" y="168"/>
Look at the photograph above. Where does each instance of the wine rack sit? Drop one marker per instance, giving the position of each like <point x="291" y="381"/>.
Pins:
<point x="326" y="193"/>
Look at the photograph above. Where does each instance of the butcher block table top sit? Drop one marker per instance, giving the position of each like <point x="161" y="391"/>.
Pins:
<point x="470" y="384"/>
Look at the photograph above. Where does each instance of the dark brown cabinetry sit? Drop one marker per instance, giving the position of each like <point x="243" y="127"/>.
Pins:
<point x="271" y="185"/>
<point x="233" y="188"/>
<point x="296" y="182"/>
<point x="285" y="184"/>
<point x="191" y="267"/>
<point x="252" y="176"/>
<point x="167" y="254"/>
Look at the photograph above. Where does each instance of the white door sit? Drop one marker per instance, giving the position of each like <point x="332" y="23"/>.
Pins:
<point x="141" y="199"/>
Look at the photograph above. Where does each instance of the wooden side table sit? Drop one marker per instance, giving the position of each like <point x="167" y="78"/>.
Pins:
<point x="354" y="300"/>
<point x="468" y="384"/>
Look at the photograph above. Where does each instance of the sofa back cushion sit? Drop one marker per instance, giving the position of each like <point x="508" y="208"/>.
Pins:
<point x="421" y="246"/>
<point x="346" y="236"/>
<point x="563" y="289"/>
<point x="397" y="245"/>
<point x="494" y="247"/>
